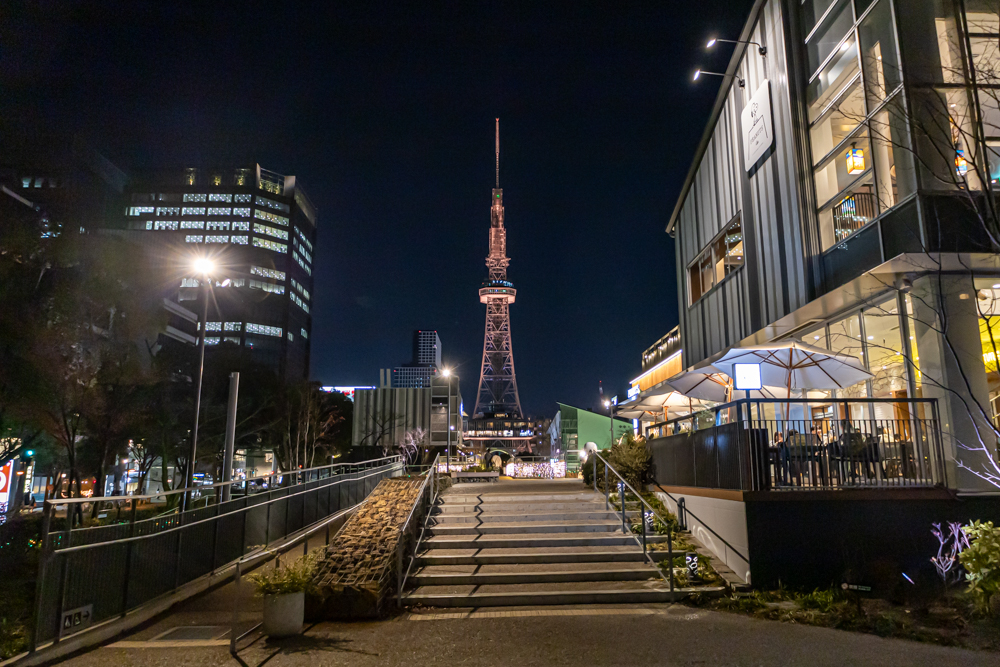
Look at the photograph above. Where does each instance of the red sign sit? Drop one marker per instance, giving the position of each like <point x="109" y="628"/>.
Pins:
<point x="6" y="473"/>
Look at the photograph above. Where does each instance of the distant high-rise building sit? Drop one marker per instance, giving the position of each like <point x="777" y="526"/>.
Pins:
<point x="259" y="229"/>
<point x="426" y="362"/>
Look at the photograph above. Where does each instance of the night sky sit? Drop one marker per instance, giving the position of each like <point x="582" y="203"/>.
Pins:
<point x="384" y="111"/>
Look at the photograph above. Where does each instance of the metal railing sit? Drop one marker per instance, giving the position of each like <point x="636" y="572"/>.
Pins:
<point x="428" y="490"/>
<point x="622" y="485"/>
<point x="88" y="575"/>
<point x="771" y="444"/>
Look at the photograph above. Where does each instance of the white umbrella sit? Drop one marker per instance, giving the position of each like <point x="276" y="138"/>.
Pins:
<point x="711" y="384"/>
<point x="795" y="365"/>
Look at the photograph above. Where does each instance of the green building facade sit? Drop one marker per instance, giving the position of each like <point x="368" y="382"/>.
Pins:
<point x="578" y="428"/>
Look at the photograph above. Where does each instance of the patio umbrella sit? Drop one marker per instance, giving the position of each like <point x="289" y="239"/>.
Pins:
<point x="711" y="384"/>
<point x="795" y="365"/>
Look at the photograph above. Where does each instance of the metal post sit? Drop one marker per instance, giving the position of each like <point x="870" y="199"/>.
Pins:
<point x="193" y="454"/>
<point x="607" y="501"/>
<point x="670" y="555"/>
<point x="227" y="459"/>
<point x="621" y="494"/>
<point x="448" y="451"/>
<point x="236" y="607"/>
<point x="43" y="559"/>
<point x="128" y="557"/>
<point x="642" y="520"/>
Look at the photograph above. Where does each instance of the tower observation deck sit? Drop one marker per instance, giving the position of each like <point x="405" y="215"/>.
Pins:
<point x="497" y="396"/>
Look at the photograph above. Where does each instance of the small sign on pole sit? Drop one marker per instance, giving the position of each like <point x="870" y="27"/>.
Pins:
<point x="746" y="377"/>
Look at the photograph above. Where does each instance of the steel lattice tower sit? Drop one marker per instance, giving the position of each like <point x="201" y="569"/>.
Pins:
<point x="497" y="384"/>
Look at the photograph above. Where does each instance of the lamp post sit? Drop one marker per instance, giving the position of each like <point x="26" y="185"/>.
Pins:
<point x="447" y="457"/>
<point x="611" y="422"/>
<point x="203" y="267"/>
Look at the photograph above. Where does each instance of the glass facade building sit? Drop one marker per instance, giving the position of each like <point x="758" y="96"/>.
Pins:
<point x="867" y="226"/>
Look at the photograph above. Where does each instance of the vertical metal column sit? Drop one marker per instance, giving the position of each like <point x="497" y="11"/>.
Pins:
<point x="227" y="459"/>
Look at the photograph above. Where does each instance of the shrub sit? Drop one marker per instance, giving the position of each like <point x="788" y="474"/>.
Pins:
<point x="981" y="560"/>
<point x="292" y="577"/>
<point x="588" y="468"/>
<point x="820" y="600"/>
<point x="633" y="460"/>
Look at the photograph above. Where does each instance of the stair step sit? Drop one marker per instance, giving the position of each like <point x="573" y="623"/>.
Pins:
<point x="516" y="558"/>
<point x="521" y="528"/>
<point x="491" y="517"/>
<point x="613" y="596"/>
<point x="528" y="541"/>
<point x="499" y="498"/>
<point x="538" y="577"/>
<point x="523" y="508"/>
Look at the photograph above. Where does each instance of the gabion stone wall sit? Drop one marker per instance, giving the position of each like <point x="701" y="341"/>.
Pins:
<point x="357" y="574"/>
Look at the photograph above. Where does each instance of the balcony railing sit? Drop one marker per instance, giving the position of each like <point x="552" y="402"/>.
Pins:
<point x="792" y="444"/>
<point x="854" y="212"/>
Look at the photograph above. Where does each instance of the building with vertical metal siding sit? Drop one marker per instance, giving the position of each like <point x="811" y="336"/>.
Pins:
<point x="833" y="200"/>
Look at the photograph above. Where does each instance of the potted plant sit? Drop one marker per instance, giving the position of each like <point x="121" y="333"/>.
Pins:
<point x="283" y="588"/>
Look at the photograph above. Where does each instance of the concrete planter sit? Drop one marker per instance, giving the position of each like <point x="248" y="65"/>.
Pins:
<point x="284" y="614"/>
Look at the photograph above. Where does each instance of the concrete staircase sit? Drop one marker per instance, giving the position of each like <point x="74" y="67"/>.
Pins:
<point x="528" y="543"/>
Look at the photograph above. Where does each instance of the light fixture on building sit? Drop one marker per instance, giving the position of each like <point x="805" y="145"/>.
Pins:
<point x="762" y="50"/>
<point x="855" y="159"/>
<point x="961" y="166"/>
<point x="699" y="72"/>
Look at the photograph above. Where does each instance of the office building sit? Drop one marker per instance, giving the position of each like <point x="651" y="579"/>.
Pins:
<point x="259" y="229"/>
<point x="383" y="416"/>
<point x="426" y="362"/>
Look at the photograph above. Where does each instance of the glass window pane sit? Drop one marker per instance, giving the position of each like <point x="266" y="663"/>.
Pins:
<point x="986" y="60"/>
<point x="933" y="42"/>
<point x="734" y="246"/>
<point x="884" y="345"/>
<point x="838" y="123"/>
<point x="982" y="17"/>
<point x="812" y="11"/>
<point x="831" y="81"/>
<point x="856" y="209"/>
<point x="835" y="174"/>
<point x="892" y="155"/>
<point x="989" y="107"/>
<point x="845" y="338"/>
<point x="993" y="155"/>
<point x="878" y="48"/>
<point x="829" y="34"/>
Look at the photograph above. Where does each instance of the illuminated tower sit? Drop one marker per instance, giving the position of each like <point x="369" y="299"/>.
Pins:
<point x="497" y="394"/>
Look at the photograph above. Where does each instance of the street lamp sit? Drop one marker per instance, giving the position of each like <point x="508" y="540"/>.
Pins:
<point x="699" y="72"/>
<point x="447" y="456"/>
<point x="203" y="267"/>
<point x="762" y="50"/>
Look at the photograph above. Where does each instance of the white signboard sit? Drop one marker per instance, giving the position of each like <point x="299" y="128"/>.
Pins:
<point x="746" y="376"/>
<point x="758" y="126"/>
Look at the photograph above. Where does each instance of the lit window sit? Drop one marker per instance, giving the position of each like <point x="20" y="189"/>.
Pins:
<point x="267" y="273"/>
<point x="211" y="326"/>
<point x="304" y="333"/>
<point x="261" y="201"/>
<point x="270" y="217"/>
<point x="168" y="210"/>
<point x="241" y="212"/>
<point x="38" y="182"/>
<point x="302" y="237"/>
<point x="195" y="197"/>
<point x="263" y="329"/>
<point x="221" y="238"/>
<point x="192" y="224"/>
<point x="211" y="341"/>
<point x="240" y="240"/>
<point x="218" y="210"/>
<point x="269" y="245"/>
<point x="239" y="282"/>
<point x="26" y="182"/>
<point x="193" y="210"/>
<point x="302" y="263"/>
<point x="291" y="336"/>
<point x="230" y="339"/>
<point x="233" y="326"/>
<point x="171" y="225"/>
<point x="140" y="210"/>
<point x="149" y="224"/>
<point x="242" y="199"/>
<point x="218" y="197"/>
<point x="217" y="225"/>
<point x="189" y="282"/>
<point x="267" y="287"/>
<point x="273" y="187"/>
<point x="241" y="226"/>
<point x="270" y="231"/>
<point x="193" y="239"/>
<point x="722" y="256"/>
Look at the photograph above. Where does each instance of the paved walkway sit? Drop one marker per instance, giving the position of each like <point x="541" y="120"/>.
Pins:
<point x="639" y="634"/>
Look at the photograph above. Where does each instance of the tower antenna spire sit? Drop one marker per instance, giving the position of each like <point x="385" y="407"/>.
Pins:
<point x="498" y="153"/>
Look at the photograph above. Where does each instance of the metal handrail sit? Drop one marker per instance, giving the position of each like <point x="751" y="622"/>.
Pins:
<point x="93" y="499"/>
<point x="642" y="519"/>
<point x="706" y="526"/>
<point x="401" y="575"/>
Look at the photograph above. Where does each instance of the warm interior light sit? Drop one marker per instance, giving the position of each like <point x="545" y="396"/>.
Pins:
<point x="204" y="266"/>
<point x="855" y="160"/>
<point x="697" y="73"/>
<point x="961" y="166"/>
<point x="711" y="43"/>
